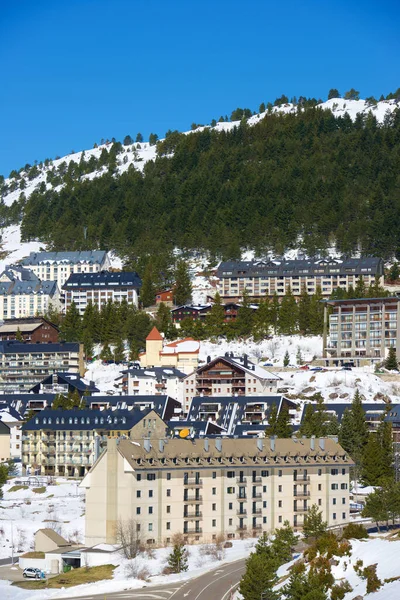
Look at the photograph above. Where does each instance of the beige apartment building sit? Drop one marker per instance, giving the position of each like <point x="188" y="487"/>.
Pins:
<point x="204" y="487"/>
<point x="181" y="354"/>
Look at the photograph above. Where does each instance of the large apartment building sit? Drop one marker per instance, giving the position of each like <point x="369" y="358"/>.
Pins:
<point x="361" y="330"/>
<point x="68" y="442"/>
<point x="266" y="278"/>
<point x="202" y="488"/>
<point x="58" y="266"/>
<point x="228" y="376"/>
<point x="23" y="295"/>
<point x="153" y="381"/>
<point x="23" y="365"/>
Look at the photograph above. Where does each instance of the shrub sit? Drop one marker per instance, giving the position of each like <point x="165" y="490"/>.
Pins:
<point x="16" y="488"/>
<point x="373" y="581"/>
<point x="339" y="590"/>
<point x="39" y="490"/>
<point x="354" y="531"/>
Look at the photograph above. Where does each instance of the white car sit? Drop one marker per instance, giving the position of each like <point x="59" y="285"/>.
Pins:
<point x="30" y="572"/>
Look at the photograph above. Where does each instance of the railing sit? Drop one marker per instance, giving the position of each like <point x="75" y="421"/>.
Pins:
<point x="257" y="495"/>
<point x="241" y="513"/>
<point x="241" y="528"/>
<point x="256" y="511"/>
<point x="192" y="531"/>
<point x="305" y="479"/>
<point x="302" y="494"/>
<point x="243" y="498"/>
<point x="241" y="479"/>
<point x="301" y="509"/>
<point x="193" y="499"/>
<point x="192" y="515"/>
<point x="193" y="482"/>
<point x="256" y="479"/>
<point x="256" y="527"/>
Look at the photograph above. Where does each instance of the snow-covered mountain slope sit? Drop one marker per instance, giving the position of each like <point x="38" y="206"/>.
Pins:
<point x="139" y="154"/>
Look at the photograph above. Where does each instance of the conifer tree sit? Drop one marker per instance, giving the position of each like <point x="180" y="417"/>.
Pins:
<point x="372" y="461"/>
<point x="316" y="312"/>
<point x="215" y="318"/>
<point x="18" y="336"/>
<point x="245" y="317"/>
<point x="346" y="431"/>
<point x="119" y="351"/>
<point x="259" y="578"/>
<point x="391" y="361"/>
<point x="148" y="289"/>
<point x="283" y="427"/>
<point x="263" y="319"/>
<point x="283" y="543"/>
<point x="274" y="313"/>
<point x="288" y="314"/>
<point x="313" y="525"/>
<point x="272" y="427"/>
<point x="183" y="285"/>
<point x="286" y="359"/>
<point x="178" y="559"/>
<point x="70" y="328"/>
<point x="106" y="353"/>
<point x="304" y="311"/>
<point x="385" y="440"/>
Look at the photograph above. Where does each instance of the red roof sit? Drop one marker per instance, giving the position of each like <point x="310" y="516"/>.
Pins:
<point x="154" y="335"/>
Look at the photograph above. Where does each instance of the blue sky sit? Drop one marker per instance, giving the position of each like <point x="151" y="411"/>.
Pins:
<point x="76" y="71"/>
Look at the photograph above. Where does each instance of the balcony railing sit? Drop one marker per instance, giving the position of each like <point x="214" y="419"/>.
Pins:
<point x="301" y="494"/>
<point x="256" y="511"/>
<point x="305" y="479"/>
<point x="256" y="479"/>
<point x="192" y="515"/>
<point x="301" y="509"/>
<point x="241" y="528"/>
<point x="241" y="513"/>
<point x="192" y="482"/>
<point x="242" y="498"/>
<point x="241" y="479"/>
<point x="192" y="531"/>
<point x="256" y="496"/>
<point x="193" y="499"/>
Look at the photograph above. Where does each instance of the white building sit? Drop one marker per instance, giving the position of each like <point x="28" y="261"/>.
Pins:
<point x="58" y="266"/>
<point x="154" y="381"/>
<point x="13" y="421"/>
<point x="23" y="295"/>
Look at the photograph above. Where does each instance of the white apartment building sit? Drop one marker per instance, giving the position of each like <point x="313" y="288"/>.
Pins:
<point x="14" y="422"/>
<point x="202" y="488"/>
<point x="153" y="381"/>
<point x="58" y="266"/>
<point x="23" y="295"/>
<point x="267" y="278"/>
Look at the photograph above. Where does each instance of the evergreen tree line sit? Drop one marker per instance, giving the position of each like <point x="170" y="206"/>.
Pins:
<point x="266" y="186"/>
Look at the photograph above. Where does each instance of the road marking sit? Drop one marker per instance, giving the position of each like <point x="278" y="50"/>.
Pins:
<point x="218" y="572"/>
<point x="212" y="582"/>
<point x="227" y="595"/>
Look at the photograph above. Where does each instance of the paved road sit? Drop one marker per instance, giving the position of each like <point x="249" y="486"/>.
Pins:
<point x="218" y="584"/>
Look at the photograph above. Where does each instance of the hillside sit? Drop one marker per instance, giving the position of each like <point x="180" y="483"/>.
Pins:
<point x="280" y="179"/>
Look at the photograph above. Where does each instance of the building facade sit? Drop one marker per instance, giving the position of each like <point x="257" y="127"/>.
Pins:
<point x="23" y="295"/>
<point x="153" y="381"/>
<point x="361" y="330"/>
<point x="24" y="365"/>
<point x="267" y="278"/>
<point x="228" y="376"/>
<point x="182" y="354"/>
<point x="202" y="488"/>
<point x="100" y="288"/>
<point x="34" y="329"/>
<point x="68" y="442"/>
<point x="58" y="266"/>
<point x="4" y="442"/>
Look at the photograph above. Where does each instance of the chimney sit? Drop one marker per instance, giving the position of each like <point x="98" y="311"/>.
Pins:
<point x="218" y="444"/>
<point x="272" y="443"/>
<point x="245" y="361"/>
<point x="146" y="444"/>
<point x="161" y="445"/>
<point x="259" y="444"/>
<point x="208" y="359"/>
<point x="206" y="445"/>
<point x="312" y="442"/>
<point x="322" y="443"/>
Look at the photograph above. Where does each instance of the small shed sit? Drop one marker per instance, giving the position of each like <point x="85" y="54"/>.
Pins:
<point x="47" y="540"/>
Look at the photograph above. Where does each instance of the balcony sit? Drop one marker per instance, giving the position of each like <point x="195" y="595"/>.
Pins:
<point x="301" y="494"/>
<point x="305" y="479"/>
<point x="241" y="528"/>
<point x="256" y="496"/>
<point x="193" y="515"/>
<point x="256" y="527"/>
<point x="192" y="482"/>
<point x="301" y="509"/>
<point x="192" y="531"/>
<point x="193" y="499"/>
<point x="241" y="479"/>
<point x="241" y="498"/>
<point x="256" y="511"/>
<point x="241" y="513"/>
<point x="256" y="480"/>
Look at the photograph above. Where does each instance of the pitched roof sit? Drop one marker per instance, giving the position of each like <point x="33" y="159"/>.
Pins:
<point x="54" y="536"/>
<point x="154" y="335"/>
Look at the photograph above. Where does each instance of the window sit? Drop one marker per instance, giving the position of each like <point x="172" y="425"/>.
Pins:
<point x="150" y="527"/>
<point x="214" y="522"/>
<point x="264" y="473"/>
<point x="168" y="508"/>
<point x="343" y="500"/>
<point x="319" y="471"/>
<point x="319" y="487"/>
<point x="230" y="522"/>
<point x="150" y="510"/>
<point x="138" y="477"/>
<point x="138" y="493"/>
<point x="334" y="516"/>
<point x="280" y="519"/>
<point x="230" y="505"/>
<point x="229" y="490"/>
<point x="214" y="507"/>
<point x="279" y="488"/>
<point x="334" y="486"/>
<point x="279" y="503"/>
<point x="319" y="502"/>
<point x="264" y="520"/>
<point x="168" y="476"/>
<point x="343" y="471"/>
<point x="150" y="493"/>
<point x="168" y="493"/>
<point x="264" y="504"/>
<point x="334" y="471"/>
<point x="280" y="473"/>
<point x="343" y="486"/>
<point x="214" y="475"/>
<point x="333" y="500"/>
<point x="214" y="491"/>
<point x="138" y="510"/>
<point x="151" y="476"/>
<point x="230" y="474"/>
<point x="168" y="526"/>
<point x="343" y="515"/>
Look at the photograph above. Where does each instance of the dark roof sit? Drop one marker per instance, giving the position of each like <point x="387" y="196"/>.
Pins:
<point x="14" y="346"/>
<point x="86" y="419"/>
<point x="159" y="372"/>
<point x="11" y="410"/>
<point x="106" y="279"/>
<point x="296" y="267"/>
<point x="71" y="379"/>
<point x="394" y="414"/>
<point x="362" y="300"/>
<point x="158" y="403"/>
<point x="4" y="429"/>
<point x="87" y="256"/>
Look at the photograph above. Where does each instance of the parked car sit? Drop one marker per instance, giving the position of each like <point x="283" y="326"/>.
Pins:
<point x="304" y="368"/>
<point x="347" y="369"/>
<point x="317" y="369"/>
<point x="268" y="365"/>
<point x="31" y="572"/>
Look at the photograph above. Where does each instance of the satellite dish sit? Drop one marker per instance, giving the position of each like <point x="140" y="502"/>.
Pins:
<point x="184" y="433"/>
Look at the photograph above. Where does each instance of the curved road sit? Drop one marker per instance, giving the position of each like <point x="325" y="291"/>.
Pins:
<point x="218" y="584"/>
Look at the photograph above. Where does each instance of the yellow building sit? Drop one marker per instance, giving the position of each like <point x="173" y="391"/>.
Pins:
<point x="182" y="354"/>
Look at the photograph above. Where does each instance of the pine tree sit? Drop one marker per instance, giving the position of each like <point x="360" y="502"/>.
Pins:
<point x="313" y="525"/>
<point x="153" y="138"/>
<point x="18" y="336"/>
<point x="70" y="328"/>
<point x="60" y="402"/>
<point x="106" y="354"/>
<point x="376" y="508"/>
<point x="288" y="314"/>
<point x="262" y="319"/>
<point x="385" y="440"/>
<point x="148" y="289"/>
<point x="119" y="352"/>
<point x="259" y="578"/>
<point x="394" y="272"/>
<point x="304" y="311"/>
<point x="272" y="427"/>
<point x="178" y="559"/>
<point x="316" y="312"/>
<point x="372" y="458"/>
<point x="391" y="363"/>
<point x="215" y="320"/>
<point x="286" y="359"/>
<point x="283" y="543"/>
<point x="274" y="313"/>
<point x="245" y="317"/>
<point x="163" y="319"/>
<point x="139" y="138"/>
<point x="183" y="285"/>
<point x="346" y="431"/>
<point x="283" y="427"/>
<point x="333" y="93"/>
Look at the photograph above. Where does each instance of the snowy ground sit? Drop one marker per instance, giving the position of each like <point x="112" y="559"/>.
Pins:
<point x="198" y="563"/>
<point x="60" y="507"/>
<point x="16" y="250"/>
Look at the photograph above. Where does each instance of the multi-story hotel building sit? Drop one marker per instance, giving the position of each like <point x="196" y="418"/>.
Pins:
<point x="228" y="376"/>
<point x="202" y="488"/>
<point x="361" y="330"/>
<point x="100" y="288"/>
<point x="266" y="278"/>
<point x="58" y="266"/>
<point x="24" y="365"/>
<point x="68" y="442"/>
<point x="22" y="294"/>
